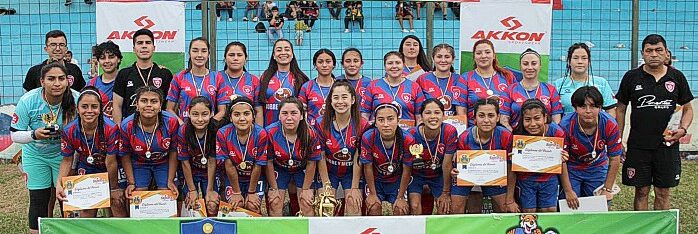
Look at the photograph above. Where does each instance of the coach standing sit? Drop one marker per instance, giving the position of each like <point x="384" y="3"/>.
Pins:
<point x="653" y="89"/>
<point x="56" y="46"/>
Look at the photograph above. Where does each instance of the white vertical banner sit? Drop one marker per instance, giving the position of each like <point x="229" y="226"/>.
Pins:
<point x="512" y="25"/>
<point x="118" y="21"/>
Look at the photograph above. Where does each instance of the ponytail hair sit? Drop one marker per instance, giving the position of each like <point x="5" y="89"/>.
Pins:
<point x="230" y="45"/>
<point x="508" y="75"/>
<point x="190" y="131"/>
<point x="449" y="49"/>
<point x="67" y="100"/>
<point x="93" y="91"/>
<point x="303" y="130"/>
<point x="208" y="47"/>
<point x="139" y="92"/>
<point x="530" y="104"/>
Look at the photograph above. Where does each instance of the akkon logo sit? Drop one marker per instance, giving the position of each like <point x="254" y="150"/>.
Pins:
<point x="146" y="23"/>
<point x="511" y="23"/>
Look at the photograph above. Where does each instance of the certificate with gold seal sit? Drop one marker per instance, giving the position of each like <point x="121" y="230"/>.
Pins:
<point x="85" y="192"/>
<point x="481" y="167"/>
<point x="537" y="154"/>
<point x="153" y="204"/>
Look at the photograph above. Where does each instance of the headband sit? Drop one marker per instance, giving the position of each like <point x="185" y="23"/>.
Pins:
<point x="529" y="51"/>
<point x="388" y="105"/>
<point x="90" y="91"/>
<point x="241" y="103"/>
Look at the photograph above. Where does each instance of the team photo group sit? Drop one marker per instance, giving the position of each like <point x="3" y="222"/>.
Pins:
<point x="401" y="144"/>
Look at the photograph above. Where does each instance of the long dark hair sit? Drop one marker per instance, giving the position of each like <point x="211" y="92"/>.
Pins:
<point x="570" y="51"/>
<point x="330" y="113"/>
<point x="136" y="115"/>
<point x="91" y="90"/>
<point x="328" y="52"/>
<point x="299" y="77"/>
<point x="208" y="47"/>
<point x="229" y="109"/>
<point x="421" y="56"/>
<point x="530" y="104"/>
<point x="447" y="47"/>
<point x="303" y="130"/>
<point x="495" y="63"/>
<point x="230" y="45"/>
<point x="190" y="132"/>
<point x="67" y="99"/>
<point x="398" y="130"/>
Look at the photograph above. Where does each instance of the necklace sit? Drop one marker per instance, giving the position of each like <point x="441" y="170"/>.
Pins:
<point x="202" y="149"/>
<point x="432" y="154"/>
<point x="145" y="79"/>
<point x="90" y="159"/>
<point x="344" y="149"/>
<point x="288" y="146"/>
<point x="487" y="86"/>
<point x="391" y="167"/>
<point x="596" y="136"/>
<point x="243" y="163"/>
<point x="148" y="142"/>
<point x="479" y="141"/>
<point x="233" y="96"/>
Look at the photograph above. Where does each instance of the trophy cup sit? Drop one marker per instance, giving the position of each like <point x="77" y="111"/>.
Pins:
<point x="416" y="150"/>
<point x="326" y="204"/>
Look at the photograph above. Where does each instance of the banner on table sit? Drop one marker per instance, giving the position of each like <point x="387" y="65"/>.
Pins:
<point x="512" y="25"/>
<point x="663" y="222"/>
<point x="118" y="21"/>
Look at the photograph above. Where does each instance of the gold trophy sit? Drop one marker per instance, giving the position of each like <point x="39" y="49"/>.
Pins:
<point x="325" y="204"/>
<point x="416" y="150"/>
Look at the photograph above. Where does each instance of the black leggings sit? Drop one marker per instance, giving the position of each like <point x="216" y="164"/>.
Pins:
<point x="358" y="19"/>
<point x="38" y="206"/>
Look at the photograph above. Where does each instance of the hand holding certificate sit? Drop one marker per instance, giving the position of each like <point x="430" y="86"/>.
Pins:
<point x="537" y="154"/>
<point x="153" y="204"/>
<point x="481" y="167"/>
<point x="85" y="192"/>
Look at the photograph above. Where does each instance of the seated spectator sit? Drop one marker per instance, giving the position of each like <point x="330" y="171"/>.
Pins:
<point x="252" y="6"/>
<point x="455" y="7"/>
<point x="227" y="6"/>
<point x="69" y="58"/>
<point x="276" y="24"/>
<point x="335" y="8"/>
<point x="293" y="10"/>
<point x="69" y="2"/>
<point x="311" y="11"/>
<point x="417" y="6"/>
<point x="404" y="11"/>
<point x="443" y="6"/>
<point x="264" y="12"/>
<point x="355" y="13"/>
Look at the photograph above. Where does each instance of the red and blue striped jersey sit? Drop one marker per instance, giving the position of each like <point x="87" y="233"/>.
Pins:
<point x="501" y="140"/>
<point x="133" y="140"/>
<point x="360" y="84"/>
<point x="185" y="87"/>
<point x="408" y="95"/>
<point x="517" y="95"/>
<point x="313" y="97"/>
<point x="278" y="150"/>
<point x="193" y="154"/>
<point x="554" y="130"/>
<point x="448" y="144"/>
<point x="372" y="151"/>
<point x="247" y="86"/>
<point x="73" y="141"/>
<point x="450" y="91"/>
<point x="335" y="140"/>
<point x="106" y="90"/>
<point x="254" y="151"/>
<point x="607" y="142"/>
<point x="477" y="89"/>
<point x="280" y="87"/>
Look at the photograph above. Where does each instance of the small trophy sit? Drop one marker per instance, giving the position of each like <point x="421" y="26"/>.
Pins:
<point x="416" y="150"/>
<point x="326" y="204"/>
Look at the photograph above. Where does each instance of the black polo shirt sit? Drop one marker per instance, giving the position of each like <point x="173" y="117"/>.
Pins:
<point x="32" y="80"/>
<point x="128" y="80"/>
<point x="652" y="104"/>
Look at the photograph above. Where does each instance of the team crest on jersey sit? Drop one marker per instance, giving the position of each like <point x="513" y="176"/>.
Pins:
<point x="322" y="109"/>
<point x="157" y="81"/>
<point x="362" y="91"/>
<point x="406" y="97"/>
<point x="669" y="85"/>
<point x="71" y="79"/>
<point x="440" y="148"/>
<point x="166" y="142"/>
<point x="545" y="100"/>
<point x="63" y="145"/>
<point x="455" y="91"/>
<point x="282" y="94"/>
<point x="247" y="89"/>
<point x="211" y="90"/>
<point x="502" y="87"/>
<point x="15" y="118"/>
<point x="254" y="151"/>
<point x="601" y="144"/>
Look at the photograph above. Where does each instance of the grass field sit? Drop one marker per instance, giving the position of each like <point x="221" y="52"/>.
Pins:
<point x="14" y="199"/>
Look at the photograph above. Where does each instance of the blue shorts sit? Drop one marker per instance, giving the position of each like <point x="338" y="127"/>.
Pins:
<point x="84" y="169"/>
<point x="386" y="191"/>
<point x="417" y="185"/>
<point x="284" y="177"/>
<point x="534" y="194"/>
<point x="487" y="191"/>
<point x="345" y="181"/>
<point x="145" y="173"/>
<point x="584" y="182"/>
<point x="201" y="183"/>
<point x="245" y="186"/>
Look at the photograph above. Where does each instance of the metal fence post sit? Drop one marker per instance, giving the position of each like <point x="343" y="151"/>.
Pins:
<point x="430" y="30"/>
<point x="634" y="35"/>
<point x="212" y="19"/>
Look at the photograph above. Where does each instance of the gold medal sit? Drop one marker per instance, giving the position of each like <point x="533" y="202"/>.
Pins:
<point x="243" y="165"/>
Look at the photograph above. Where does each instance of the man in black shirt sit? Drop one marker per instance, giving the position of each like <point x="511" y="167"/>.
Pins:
<point x="143" y="72"/>
<point x="653" y="90"/>
<point x="56" y="47"/>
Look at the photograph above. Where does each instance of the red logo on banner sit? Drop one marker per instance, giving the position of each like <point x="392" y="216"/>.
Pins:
<point x="371" y="230"/>
<point x="511" y="23"/>
<point x="148" y="23"/>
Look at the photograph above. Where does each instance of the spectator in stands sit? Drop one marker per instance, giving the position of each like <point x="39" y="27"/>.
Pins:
<point x="56" y="46"/>
<point x="69" y="57"/>
<point x="455" y="7"/>
<point x="311" y="11"/>
<point x="265" y="11"/>
<point x="403" y="11"/>
<point x="417" y="6"/>
<point x="252" y="6"/>
<point x="443" y="6"/>
<point x="355" y="13"/>
<point x="69" y="2"/>
<point x="228" y="6"/>
<point x="335" y="8"/>
<point x="300" y="28"/>
<point x="293" y="10"/>
<point x="276" y="24"/>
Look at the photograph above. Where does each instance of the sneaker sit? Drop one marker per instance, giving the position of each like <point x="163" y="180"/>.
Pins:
<point x="68" y="2"/>
<point x="244" y="18"/>
<point x="404" y="30"/>
<point x="309" y="29"/>
<point x="362" y="30"/>
<point x="88" y="2"/>
<point x="255" y="19"/>
<point x="230" y="19"/>
<point x="444" y="17"/>
<point x="218" y="18"/>
<point x="412" y="30"/>
<point x="346" y="30"/>
<point x="235" y="8"/>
